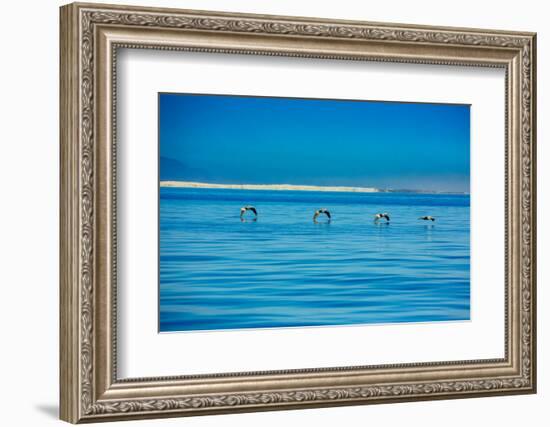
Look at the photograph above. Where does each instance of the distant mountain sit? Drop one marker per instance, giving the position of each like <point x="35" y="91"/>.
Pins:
<point x="174" y="170"/>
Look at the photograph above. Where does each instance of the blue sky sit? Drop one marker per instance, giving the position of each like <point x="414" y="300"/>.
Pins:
<point x="255" y="140"/>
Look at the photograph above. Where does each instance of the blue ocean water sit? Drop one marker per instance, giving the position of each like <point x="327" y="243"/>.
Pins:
<point x="284" y="270"/>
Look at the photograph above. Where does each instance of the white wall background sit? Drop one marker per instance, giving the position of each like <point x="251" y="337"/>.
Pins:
<point x="29" y="171"/>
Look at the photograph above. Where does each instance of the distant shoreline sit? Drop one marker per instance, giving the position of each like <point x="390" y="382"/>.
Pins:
<point x="281" y="187"/>
<point x="290" y="187"/>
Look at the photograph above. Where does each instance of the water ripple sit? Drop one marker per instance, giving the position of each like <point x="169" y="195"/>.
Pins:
<point x="217" y="272"/>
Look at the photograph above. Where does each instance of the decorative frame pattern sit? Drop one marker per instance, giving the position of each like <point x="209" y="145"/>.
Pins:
<point x="90" y="36"/>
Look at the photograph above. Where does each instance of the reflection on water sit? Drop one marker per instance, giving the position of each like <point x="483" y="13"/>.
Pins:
<point x="282" y="269"/>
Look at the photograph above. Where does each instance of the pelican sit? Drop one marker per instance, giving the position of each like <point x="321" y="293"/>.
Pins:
<point x="319" y="212"/>
<point x="379" y="216"/>
<point x="249" y="208"/>
<point x="427" y="218"/>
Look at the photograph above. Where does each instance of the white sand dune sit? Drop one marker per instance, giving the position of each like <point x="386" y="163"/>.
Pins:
<point x="287" y="187"/>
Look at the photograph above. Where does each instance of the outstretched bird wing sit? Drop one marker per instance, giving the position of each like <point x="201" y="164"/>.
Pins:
<point x="253" y="209"/>
<point x="328" y="213"/>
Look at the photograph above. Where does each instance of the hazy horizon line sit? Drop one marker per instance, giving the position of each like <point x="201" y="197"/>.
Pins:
<point x="296" y="187"/>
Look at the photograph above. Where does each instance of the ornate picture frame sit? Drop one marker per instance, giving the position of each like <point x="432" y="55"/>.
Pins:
<point x="90" y="37"/>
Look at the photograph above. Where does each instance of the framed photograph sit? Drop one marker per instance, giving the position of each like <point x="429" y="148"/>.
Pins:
<point x="266" y="212"/>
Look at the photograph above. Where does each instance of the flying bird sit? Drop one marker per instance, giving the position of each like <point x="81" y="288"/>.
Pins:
<point x="379" y="216"/>
<point x="427" y="218"/>
<point x="248" y="208"/>
<point x="319" y="212"/>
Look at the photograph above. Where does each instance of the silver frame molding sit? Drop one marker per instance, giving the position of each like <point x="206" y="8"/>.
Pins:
<point x="90" y="37"/>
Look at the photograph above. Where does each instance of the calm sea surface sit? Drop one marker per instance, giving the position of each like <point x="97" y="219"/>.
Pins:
<point x="283" y="270"/>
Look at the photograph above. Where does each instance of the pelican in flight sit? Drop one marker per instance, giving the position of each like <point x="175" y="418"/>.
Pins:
<point x="427" y="218"/>
<point x="319" y="212"/>
<point x="379" y="216"/>
<point x="249" y="208"/>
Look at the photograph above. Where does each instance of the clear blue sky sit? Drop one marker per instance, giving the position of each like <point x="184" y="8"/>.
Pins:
<point x="255" y="140"/>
